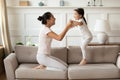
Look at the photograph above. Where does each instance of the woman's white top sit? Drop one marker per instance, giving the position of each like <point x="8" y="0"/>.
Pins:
<point x="84" y="30"/>
<point x="44" y="45"/>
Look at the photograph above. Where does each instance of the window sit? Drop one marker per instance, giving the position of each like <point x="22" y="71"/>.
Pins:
<point x="0" y="33"/>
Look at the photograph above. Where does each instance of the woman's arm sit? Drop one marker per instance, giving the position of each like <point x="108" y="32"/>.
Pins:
<point x="61" y="35"/>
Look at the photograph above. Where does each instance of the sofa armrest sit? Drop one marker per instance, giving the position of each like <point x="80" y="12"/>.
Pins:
<point x="118" y="61"/>
<point x="10" y="63"/>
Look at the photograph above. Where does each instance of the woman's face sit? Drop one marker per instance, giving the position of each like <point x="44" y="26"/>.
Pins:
<point x="51" y="21"/>
<point x="77" y="16"/>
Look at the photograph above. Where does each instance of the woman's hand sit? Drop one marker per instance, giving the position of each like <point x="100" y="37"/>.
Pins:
<point x="69" y="24"/>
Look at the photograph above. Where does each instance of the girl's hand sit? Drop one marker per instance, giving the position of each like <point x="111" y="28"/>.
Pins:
<point x="75" y="23"/>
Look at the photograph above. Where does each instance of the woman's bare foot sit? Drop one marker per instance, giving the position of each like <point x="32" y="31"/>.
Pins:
<point x="40" y="67"/>
<point x="83" y="62"/>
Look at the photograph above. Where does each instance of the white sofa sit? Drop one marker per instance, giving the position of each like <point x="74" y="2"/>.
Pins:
<point x="103" y="63"/>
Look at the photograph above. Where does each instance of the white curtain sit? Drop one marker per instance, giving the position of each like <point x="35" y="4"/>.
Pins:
<point x="4" y="27"/>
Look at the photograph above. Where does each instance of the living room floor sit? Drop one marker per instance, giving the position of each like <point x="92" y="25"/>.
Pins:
<point x="2" y="76"/>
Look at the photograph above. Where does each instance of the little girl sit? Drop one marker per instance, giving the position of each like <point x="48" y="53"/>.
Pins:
<point x="84" y="31"/>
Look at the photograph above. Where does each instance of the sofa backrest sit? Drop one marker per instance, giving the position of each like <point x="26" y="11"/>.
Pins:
<point x="96" y="54"/>
<point x="28" y="53"/>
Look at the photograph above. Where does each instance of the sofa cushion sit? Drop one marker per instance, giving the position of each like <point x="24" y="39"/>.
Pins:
<point x="28" y="71"/>
<point x="28" y="53"/>
<point x="96" y="54"/>
<point x="93" y="71"/>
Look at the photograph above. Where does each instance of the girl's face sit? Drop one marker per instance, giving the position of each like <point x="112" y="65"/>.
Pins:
<point x="77" y="16"/>
<point x="51" y="21"/>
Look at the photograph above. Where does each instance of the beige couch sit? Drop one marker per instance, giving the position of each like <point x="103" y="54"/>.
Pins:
<point x="103" y="63"/>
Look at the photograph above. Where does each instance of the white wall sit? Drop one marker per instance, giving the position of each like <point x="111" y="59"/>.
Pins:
<point x="23" y="20"/>
<point x="23" y="23"/>
<point x="67" y="2"/>
<point x="111" y="2"/>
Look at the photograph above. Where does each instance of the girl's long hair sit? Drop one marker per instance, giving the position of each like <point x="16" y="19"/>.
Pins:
<point x="81" y="12"/>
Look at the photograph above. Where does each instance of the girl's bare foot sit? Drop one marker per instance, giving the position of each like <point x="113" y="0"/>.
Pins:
<point x="83" y="62"/>
<point x="40" y="67"/>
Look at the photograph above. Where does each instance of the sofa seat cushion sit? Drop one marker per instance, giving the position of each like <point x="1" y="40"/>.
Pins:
<point x="28" y="71"/>
<point x="93" y="71"/>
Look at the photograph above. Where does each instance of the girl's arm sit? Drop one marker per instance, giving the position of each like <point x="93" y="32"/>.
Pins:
<point x="61" y="35"/>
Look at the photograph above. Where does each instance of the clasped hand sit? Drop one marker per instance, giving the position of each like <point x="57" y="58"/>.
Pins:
<point x="72" y="23"/>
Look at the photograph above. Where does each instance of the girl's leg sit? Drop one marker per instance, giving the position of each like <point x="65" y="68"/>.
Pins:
<point x="84" y="50"/>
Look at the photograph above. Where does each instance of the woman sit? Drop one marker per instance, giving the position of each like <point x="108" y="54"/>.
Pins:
<point x="46" y="35"/>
